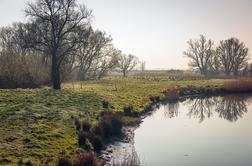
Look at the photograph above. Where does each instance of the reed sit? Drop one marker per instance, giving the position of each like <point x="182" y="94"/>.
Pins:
<point x="243" y="85"/>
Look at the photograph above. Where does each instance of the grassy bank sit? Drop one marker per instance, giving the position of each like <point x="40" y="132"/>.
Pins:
<point x="38" y="125"/>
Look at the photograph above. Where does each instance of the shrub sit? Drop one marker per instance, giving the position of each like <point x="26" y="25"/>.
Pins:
<point x="63" y="161"/>
<point x="111" y="124"/>
<point x="18" y="71"/>
<point x="28" y="163"/>
<point x="155" y="99"/>
<point x="105" y="104"/>
<point x="97" y="143"/>
<point x="82" y="136"/>
<point x="128" y="110"/>
<point x="86" y="126"/>
<point x="77" y="125"/>
<point x="86" y="159"/>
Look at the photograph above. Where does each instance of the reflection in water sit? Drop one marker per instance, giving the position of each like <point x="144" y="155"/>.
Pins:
<point x="198" y="133"/>
<point x="172" y="109"/>
<point x="200" y="107"/>
<point x="231" y="107"/>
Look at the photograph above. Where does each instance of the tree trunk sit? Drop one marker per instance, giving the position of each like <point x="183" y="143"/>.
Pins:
<point x="124" y="74"/>
<point x="55" y="73"/>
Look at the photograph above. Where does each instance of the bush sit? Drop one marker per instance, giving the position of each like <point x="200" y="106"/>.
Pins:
<point x="18" y="71"/>
<point x="64" y="162"/>
<point x="111" y="124"/>
<point x="105" y="104"/>
<point x="97" y="143"/>
<point x="82" y="136"/>
<point x="86" y="126"/>
<point x="86" y="159"/>
<point x="28" y="163"/>
<point x="155" y="99"/>
<point x="128" y="110"/>
<point x="77" y="125"/>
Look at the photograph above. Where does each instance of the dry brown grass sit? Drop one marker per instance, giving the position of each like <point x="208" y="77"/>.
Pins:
<point x="242" y="85"/>
<point x="172" y="93"/>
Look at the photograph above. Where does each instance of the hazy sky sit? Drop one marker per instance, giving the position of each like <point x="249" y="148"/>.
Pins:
<point x="157" y="30"/>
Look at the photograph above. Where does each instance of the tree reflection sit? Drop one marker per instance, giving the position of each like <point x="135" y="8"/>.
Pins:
<point x="200" y="108"/>
<point x="171" y="109"/>
<point x="232" y="108"/>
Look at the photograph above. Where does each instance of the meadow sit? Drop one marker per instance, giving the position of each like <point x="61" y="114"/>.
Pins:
<point x="37" y="125"/>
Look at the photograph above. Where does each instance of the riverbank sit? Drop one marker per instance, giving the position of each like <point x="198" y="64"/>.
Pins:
<point x="40" y="122"/>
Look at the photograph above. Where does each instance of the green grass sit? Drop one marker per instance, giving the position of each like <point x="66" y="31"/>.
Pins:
<point x="38" y="124"/>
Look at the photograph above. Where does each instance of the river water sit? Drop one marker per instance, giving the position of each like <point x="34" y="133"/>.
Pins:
<point x="203" y="131"/>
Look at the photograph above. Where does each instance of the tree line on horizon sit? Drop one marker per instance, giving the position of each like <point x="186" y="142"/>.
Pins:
<point x="56" y="44"/>
<point x="230" y="57"/>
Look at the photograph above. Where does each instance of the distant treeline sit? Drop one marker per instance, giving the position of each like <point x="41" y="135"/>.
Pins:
<point x="58" y="43"/>
<point x="230" y="57"/>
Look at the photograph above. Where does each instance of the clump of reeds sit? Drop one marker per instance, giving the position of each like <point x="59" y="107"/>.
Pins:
<point x="109" y="125"/>
<point x="87" y="159"/>
<point x="64" y="161"/>
<point x="172" y="93"/>
<point x="84" y="159"/>
<point x="238" y="86"/>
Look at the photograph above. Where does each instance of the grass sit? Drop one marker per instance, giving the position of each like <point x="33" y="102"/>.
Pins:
<point x="37" y="125"/>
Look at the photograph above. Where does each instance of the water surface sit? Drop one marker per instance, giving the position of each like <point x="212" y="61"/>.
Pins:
<point x="205" y="131"/>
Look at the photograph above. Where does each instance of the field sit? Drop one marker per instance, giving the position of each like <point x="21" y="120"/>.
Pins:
<point x="37" y="125"/>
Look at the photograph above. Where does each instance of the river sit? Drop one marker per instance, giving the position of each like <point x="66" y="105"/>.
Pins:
<point x="202" y="131"/>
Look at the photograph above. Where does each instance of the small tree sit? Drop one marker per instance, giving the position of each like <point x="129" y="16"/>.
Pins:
<point x="126" y="63"/>
<point x="96" y="55"/>
<point x="233" y="55"/>
<point x="200" y="52"/>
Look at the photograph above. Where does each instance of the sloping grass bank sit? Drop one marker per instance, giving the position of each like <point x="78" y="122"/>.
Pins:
<point x="37" y="126"/>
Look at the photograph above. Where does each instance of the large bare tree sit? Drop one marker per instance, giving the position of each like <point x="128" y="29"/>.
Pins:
<point x="200" y="52"/>
<point x="53" y="29"/>
<point x="233" y="55"/>
<point x="126" y="63"/>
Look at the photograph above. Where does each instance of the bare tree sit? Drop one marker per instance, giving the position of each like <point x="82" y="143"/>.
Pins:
<point x="53" y="29"/>
<point x="200" y="52"/>
<point x="11" y="39"/>
<point x="214" y="64"/>
<point x="107" y="63"/>
<point x="96" y="55"/>
<point x="233" y="55"/>
<point x="250" y="69"/>
<point x="127" y="63"/>
<point x="245" y="71"/>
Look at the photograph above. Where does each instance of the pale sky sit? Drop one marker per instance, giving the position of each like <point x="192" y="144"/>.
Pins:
<point x="156" y="31"/>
